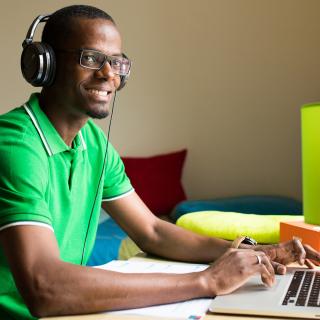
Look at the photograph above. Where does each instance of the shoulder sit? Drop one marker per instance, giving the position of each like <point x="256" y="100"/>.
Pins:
<point x="16" y="124"/>
<point x="19" y="142"/>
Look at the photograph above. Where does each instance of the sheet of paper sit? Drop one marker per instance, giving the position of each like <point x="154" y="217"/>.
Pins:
<point x="191" y="309"/>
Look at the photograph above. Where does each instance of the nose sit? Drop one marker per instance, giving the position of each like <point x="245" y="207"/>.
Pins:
<point x="106" y="72"/>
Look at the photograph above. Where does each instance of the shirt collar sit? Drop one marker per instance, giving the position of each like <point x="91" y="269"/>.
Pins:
<point x="51" y="139"/>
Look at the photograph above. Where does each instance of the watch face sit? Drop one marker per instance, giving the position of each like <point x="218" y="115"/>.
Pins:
<point x="248" y="240"/>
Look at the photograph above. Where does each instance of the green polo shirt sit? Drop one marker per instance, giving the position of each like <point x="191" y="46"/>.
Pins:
<point x="43" y="181"/>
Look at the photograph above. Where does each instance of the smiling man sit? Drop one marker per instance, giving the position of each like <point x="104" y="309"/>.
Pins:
<point x="56" y="169"/>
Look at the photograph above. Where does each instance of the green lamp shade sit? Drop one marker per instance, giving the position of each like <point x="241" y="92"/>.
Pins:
<point x="310" y="124"/>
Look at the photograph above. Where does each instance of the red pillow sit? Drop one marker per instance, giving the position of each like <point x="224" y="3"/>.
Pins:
<point x="157" y="180"/>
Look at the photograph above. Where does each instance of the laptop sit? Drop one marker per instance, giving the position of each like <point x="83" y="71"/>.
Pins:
<point x="294" y="295"/>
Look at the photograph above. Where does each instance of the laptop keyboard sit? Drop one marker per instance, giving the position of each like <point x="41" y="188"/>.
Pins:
<point x="304" y="290"/>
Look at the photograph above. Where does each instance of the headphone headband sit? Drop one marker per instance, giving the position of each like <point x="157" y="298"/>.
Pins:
<point x="32" y="28"/>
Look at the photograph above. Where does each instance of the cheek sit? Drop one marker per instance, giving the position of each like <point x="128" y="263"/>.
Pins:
<point x="76" y="81"/>
<point x="63" y="69"/>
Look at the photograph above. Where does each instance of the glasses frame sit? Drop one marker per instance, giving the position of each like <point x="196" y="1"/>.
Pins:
<point x="107" y="59"/>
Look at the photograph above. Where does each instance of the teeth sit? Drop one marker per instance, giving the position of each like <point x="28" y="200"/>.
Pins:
<point x="98" y="93"/>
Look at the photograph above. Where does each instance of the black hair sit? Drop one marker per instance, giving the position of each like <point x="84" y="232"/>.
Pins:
<point x="59" y="25"/>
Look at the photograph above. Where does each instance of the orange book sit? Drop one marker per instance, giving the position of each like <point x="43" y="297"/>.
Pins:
<point x="309" y="233"/>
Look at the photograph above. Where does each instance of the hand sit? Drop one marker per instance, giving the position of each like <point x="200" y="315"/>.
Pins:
<point x="287" y="252"/>
<point x="234" y="268"/>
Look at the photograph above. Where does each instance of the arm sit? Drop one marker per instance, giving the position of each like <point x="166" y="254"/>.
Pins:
<point x="50" y="286"/>
<point x="161" y="238"/>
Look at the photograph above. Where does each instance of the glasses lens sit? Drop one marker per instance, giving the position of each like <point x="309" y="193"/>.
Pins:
<point x="120" y="65"/>
<point x="92" y="59"/>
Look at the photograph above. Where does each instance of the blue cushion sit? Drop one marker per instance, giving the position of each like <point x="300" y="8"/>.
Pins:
<point x="244" y="204"/>
<point x="107" y="244"/>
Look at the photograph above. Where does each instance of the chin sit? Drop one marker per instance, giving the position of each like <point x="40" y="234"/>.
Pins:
<point x="98" y="114"/>
<point x="98" y="111"/>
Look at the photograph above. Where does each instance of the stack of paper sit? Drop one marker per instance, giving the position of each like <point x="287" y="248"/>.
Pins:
<point x="191" y="309"/>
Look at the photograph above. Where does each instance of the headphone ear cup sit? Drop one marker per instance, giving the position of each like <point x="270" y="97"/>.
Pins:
<point x="50" y="71"/>
<point x="38" y="64"/>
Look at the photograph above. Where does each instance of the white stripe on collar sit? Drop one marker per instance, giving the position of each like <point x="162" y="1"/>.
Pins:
<point x="82" y="141"/>
<point x="36" y="124"/>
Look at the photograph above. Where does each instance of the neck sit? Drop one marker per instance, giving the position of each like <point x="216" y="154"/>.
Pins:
<point x="66" y="123"/>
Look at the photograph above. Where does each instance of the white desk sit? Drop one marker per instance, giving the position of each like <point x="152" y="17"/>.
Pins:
<point x="123" y="317"/>
<point x="100" y="316"/>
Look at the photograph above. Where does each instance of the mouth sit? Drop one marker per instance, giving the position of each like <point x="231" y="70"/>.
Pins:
<point x="99" y="93"/>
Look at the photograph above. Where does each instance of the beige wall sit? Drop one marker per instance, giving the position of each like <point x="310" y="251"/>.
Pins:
<point x="223" y="78"/>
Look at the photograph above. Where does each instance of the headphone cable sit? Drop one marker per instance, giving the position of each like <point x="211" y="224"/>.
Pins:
<point x="105" y="162"/>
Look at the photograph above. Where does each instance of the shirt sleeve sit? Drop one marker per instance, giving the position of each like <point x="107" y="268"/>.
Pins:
<point x="23" y="182"/>
<point x="116" y="182"/>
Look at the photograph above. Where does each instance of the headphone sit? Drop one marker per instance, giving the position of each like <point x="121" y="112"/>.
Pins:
<point x="38" y="61"/>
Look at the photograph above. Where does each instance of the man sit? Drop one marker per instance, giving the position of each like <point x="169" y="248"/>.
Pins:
<point x="52" y="162"/>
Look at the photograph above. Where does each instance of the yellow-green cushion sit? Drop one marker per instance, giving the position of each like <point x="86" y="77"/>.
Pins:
<point x="128" y="249"/>
<point x="229" y="225"/>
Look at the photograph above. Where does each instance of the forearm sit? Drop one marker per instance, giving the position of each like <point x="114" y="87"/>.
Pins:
<point x="173" y="242"/>
<point x="50" y="286"/>
<point x="160" y="237"/>
<point x="71" y="289"/>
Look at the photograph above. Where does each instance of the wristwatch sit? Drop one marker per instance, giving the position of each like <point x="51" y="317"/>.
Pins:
<point x="243" y="239"/>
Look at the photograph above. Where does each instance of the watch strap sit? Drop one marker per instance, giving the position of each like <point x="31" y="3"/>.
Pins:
<point x="243" y="239"/>
<point x="237" y="241"/>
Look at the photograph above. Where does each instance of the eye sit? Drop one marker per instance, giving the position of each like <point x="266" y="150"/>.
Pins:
<point x="89" y="58"/>
<point x="116" y="63"/>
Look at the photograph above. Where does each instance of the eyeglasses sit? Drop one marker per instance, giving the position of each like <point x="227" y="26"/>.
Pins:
<point x="93" y="59"/>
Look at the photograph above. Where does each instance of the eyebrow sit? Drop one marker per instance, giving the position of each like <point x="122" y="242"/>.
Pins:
<point x="113" y="55"/>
